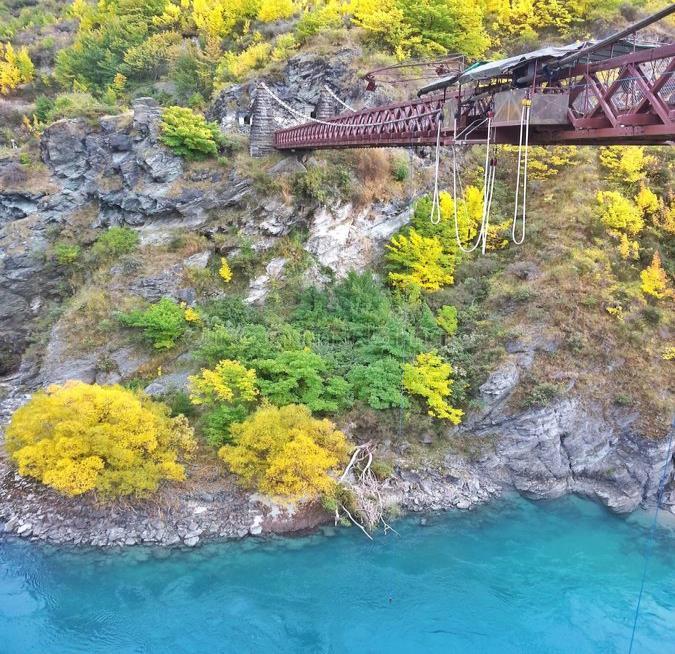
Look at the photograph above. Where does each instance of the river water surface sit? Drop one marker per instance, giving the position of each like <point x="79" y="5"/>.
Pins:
<point x="515" y="576"/>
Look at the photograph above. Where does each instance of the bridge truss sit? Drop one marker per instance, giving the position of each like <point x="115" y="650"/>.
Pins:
<point x="626" y="99"/>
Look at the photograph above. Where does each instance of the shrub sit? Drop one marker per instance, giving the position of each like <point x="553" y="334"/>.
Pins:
<point x="379" y="384"/>
<point x="407" y="27"/>
<point x="162" y="323"/>
<point x="229" y="382"/>
<point x="15" y="68"/>
<point x="66" y="254"/>
<point x="78" y="438"/>
<point x="400" y="170"/>
<point x="285" y="452"/>
<point x="323" y="184"/>
<point x="76" y="105"/>
<point x="619" y="214"/>
<point x="542" y="394"/>
<point x="647" y="201"/>
<point x="233" y="67"/>
<point x="272" y="10"/>
<point x="189" y="134"/>
<point x="225" y="272"/>
<point x="447" y="319"/>
<point x="301" y="376"/>
<point x="625" y="164"/>
<point x="430" y="378"/>
<point x="43" y="108"/>
<point x="116" y="242"/>
<point x="323" y="18"/>
<point x="152" y="57"/>
<point x="417" y="261"/>
<point x="654" y="279"/>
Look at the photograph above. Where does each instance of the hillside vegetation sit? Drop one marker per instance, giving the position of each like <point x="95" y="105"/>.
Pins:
<point x="397" y="350"/>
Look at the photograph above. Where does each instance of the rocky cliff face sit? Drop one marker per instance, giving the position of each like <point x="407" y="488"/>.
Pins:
<point x="569" y="446"/>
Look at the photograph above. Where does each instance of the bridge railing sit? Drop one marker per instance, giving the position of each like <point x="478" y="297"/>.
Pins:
<point x="406" y="123"/>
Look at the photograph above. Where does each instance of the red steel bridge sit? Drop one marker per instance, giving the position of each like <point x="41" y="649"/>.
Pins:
<point x="615" y="91"/>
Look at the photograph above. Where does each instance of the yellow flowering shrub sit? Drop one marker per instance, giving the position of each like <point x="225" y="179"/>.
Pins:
<point x="225" y="272"/>
<point x="625" y="164"/>
<point x="234" y="67"/>
<point x="285" y="452"/>
<point x="229" y="381"/>
<point x="655" y="280"/>
<point x="79" y="438"/>
<point x="271" y="10"/>
<point x="665" y="220"/>
<point x="619" y="214"/>
<point x="647" y="201"/>
<point x="628" y="249"/>
<point x="669" y="353"/>
<point x="191" y="315"/>
<point x="430" y="378"/>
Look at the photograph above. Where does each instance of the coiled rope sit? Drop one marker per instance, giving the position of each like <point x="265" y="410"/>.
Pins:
<point x="524" y="128"/>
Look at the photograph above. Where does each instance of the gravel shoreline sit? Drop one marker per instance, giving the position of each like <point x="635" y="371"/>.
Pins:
<point x="186" y="517"/>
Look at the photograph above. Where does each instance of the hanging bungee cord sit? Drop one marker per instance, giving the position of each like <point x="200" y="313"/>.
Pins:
<point x="490" y="170"/>
<point x="489" y="175"/>
<point x="524" y="128"/>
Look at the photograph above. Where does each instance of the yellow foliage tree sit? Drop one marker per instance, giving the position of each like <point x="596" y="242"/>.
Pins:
<point x="419" y="262"/>
<point x="619" y="214"/>
<point x="655" y="280"/>
<point x="647" y="201"/>
<point x="78" y="438"/>
<point x="665" y="220"/>
<point x="430" y="378"/>
<point x="15" y="68"/>
<point x="235" y="66"/>
<point x="285" y="452"/>
<point x="229" y="381"/>
<point x="271" y="10"/>
<point x="625" y="164"/>
<point x="628" y="249"/>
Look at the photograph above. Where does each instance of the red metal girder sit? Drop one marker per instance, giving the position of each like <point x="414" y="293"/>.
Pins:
<point x="637" y="57"/>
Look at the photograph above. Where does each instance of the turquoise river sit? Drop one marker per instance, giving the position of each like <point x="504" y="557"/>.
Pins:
<point x="514" y="576"/>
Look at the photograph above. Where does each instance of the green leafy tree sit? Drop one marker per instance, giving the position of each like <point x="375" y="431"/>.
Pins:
<point x="302" y="377"/>
<point x="189" y="134"/>
<point x="379" y="384"/>
<point x="163" y="323"/>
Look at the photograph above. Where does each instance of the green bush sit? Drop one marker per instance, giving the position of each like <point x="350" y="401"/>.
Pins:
<point x="399" y="170"/>
<point x="66" y="254"/>
<point x="43" y="108"/>
<point x="115" y="242"/>
<point x="162" y="323"/>
<point x="379" y="384"/>
<point x="189" y="134"/>
<point x="75" y="105"/>
<point x="323" y="184"/>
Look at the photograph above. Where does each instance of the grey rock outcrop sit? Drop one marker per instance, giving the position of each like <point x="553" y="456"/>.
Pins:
<point x="569" y="446"/>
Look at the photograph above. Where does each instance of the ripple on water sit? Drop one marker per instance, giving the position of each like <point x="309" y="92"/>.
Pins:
<point x="512" y="577"/>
